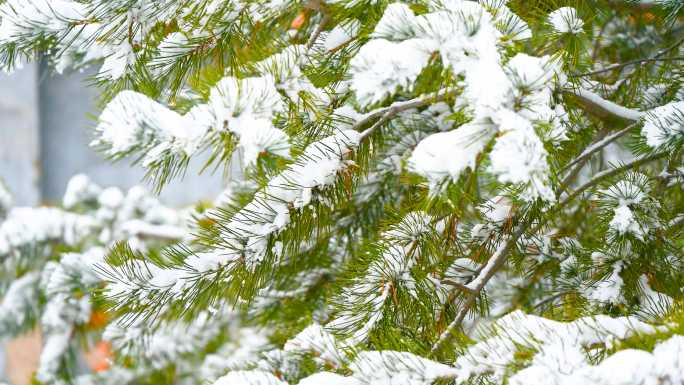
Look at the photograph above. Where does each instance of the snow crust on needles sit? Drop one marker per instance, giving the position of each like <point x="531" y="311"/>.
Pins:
<point x="245" y="237"/>
<point x="566" y="20"/>
<point x="560" y="356"/>
<point x="511" y="99"/>
<point x="133" y="121"/>
<point x="664" y="124"/>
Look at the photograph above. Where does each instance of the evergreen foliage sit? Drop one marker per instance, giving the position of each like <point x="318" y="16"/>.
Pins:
<point x="433" y="192"/>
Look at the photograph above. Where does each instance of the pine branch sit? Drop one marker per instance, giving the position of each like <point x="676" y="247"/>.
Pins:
<point x="598" y="145"/>
<point x="627" y="64"/>
<point x="610" y="173"/>
<point x="387" y="113"/>
<point x="593" y="148"/>
<point x="476" y="285"/>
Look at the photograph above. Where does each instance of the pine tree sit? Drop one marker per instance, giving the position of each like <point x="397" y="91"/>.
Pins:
<point x="439" y="191"/>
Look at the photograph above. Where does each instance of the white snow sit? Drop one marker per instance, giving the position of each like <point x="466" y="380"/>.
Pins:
<point x="519" y="156"/>
<point x="327" y="378"/>
<point x="392" y="367"/>
<point x="382" y="67"/>
<point x="664" y="124"/>
<point x="315" y="339"/>
<point x="559" y="347"/>
<point x="447" y="154"/>
<point x="80" y="189"/>
<point x="246" y="107"/>
<point x="566" y="20"/>
<point x="608" y="290"/>
<point x="623" y="222"/>
<point x="664" y="367"/>
<point x="249" y="377"/>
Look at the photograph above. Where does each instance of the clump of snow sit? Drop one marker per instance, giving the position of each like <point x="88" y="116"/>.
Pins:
<point x="625" y="196"/>
<point x="624" y="222"/>
<point x="329" y="379"/>
<point x="519" y="156"/>
<point x="26" y="226"/>
<point x="315" y="339"/>
<point x="340" y="35"/>
<point x="249" y="377"/>
<point x="608" y="290"/>
<point x="664" y="124"/>
<point x="80" y="189"/>
<point x="447" y="154"/>
<point x="559" y="347"/>
<point x="392" y="367"/>
<point x="566" y="20"/>
<point x="133" y="122"/>
<point x="382" y="67"/>
<point x="630" y="366"/>
<point x="246" y="108"/>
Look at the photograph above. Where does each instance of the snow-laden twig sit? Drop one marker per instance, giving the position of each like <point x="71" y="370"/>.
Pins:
<point x="387" y="113"/>
<point x="603" y="106"/>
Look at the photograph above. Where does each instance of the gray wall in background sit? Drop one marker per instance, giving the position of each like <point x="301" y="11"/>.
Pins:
<point x="19" y="134"/>
<point x="44" y="136"/>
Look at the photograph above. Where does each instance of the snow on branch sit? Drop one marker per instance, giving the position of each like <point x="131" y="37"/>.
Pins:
<point x="557" y="348"/>
<point x="244" y="238"/>
<point x="363" y="303"/>
<point x="27" y="227"/>
<point x="601" y="106"/>
<point x="566" y="20"/>
<point x="170" y="341"/>
<point x="132" y="122"/>
<point x="246" y="235"/>
<point x="664" y="125"/>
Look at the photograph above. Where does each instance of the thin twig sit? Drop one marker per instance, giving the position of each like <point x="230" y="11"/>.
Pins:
<point x="576" y="164"/>
<point x="599" y="144"/>
<point x="627" y="64"/>
<point x="317" y="32"/>
<point x="668" y="49"/>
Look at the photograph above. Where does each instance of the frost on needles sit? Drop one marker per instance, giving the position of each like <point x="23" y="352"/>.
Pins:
<point x="424" y="192"/>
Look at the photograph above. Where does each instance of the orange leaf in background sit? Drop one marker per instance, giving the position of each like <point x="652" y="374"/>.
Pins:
<point x="100" y="357"/>
<point x="98" y="319"/>
<point x="298" y="21"/>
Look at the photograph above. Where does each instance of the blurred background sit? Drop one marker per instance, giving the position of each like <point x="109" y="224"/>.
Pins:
<point x="45" y="127"/>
